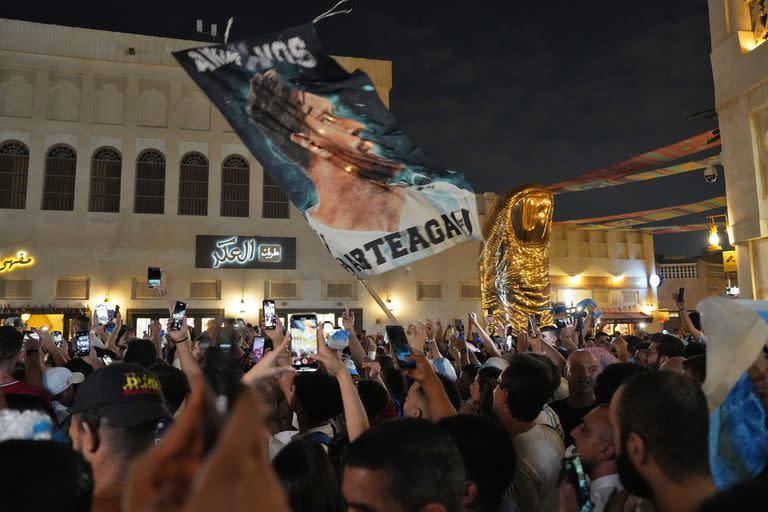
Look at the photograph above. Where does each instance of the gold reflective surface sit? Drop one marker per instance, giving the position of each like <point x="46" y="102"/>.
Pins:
<point x="514" y="264"/>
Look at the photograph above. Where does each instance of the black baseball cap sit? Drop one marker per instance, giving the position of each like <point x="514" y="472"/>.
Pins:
<point x="126" y="394"/>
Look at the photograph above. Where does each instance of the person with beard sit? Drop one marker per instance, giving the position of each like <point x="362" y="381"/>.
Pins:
<point x="660" y="424"/>
<point x="593" y="442"/>
<point x="663" y="348"/>
<point x="581" y="372"/>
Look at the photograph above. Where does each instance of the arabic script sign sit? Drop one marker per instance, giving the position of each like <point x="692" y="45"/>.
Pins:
<point x="14" y="262"/>
<point x="227" y="251"/>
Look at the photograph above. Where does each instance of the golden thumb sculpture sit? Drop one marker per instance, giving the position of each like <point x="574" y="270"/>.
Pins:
<point x="514" y="265"/>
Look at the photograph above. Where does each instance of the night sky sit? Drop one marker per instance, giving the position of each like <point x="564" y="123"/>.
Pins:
<point x="509" y="94"/>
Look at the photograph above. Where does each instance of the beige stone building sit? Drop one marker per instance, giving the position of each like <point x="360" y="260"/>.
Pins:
<point x="740" y="69"/>
<point x="112" y="160"/>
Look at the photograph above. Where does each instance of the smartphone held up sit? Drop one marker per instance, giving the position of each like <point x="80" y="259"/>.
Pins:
<point x="270" y="314"/>
<point x="177" y="317"/>
<point x="395" y="335"/>
<point x="153" y="277"/>
<point x="304" y="341"/>
<point x="82" y="343"/>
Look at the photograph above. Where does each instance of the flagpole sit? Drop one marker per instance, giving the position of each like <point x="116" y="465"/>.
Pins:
<point x="380" y="302"/>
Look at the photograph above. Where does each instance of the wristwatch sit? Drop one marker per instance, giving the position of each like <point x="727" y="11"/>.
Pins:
<point x="180" y="341"/>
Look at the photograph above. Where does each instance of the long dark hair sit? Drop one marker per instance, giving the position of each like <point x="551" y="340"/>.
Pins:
<point x="308" y="478"/>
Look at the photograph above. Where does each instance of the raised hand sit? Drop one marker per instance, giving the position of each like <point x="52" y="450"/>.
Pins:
<point x="430" y="330"/>
<point x="348" y="321"/>
<point x="178" y="476"/>
<point x="374" y="370"/>
<point x="330" y="358"/>
<point x="423" y="370"/>
<point x="416" y="335"/>
<point x="178" y="336"/>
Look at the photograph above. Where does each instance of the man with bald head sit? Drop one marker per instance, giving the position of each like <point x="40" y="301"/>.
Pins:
<point x="593" y="441"/>
<point x="581" y="373"/>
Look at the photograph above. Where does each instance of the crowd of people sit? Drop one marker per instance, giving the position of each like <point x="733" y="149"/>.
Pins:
<point x="568" y="418"/>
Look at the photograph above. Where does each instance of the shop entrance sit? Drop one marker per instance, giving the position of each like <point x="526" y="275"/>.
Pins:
<point x="139" y="319"/>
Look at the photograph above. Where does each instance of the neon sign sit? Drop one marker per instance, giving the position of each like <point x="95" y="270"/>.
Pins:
<point x="21" y="260"/>
<point x="221" y="252"/>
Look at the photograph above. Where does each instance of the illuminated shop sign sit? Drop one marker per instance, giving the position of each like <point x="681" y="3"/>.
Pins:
<point x="21" y="260"/>
<point x="233" y="251"/>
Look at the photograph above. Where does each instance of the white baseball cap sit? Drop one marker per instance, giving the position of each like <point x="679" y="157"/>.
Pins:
<point x="58" y="379"/>
<point x="496" y="362"/>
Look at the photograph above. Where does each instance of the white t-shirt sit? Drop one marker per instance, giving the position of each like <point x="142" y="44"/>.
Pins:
<point x="539" y="454"/>
<point x="421" y="204"/>
<point x="601" y="489"/>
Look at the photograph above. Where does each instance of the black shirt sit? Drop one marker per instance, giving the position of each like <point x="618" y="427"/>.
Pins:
<point x="570" y="417"/>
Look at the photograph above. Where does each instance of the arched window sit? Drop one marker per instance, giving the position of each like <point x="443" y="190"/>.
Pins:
<point x="14" y="164"/>
<point x="104" y="195"/>
<point x="150" y="182"/>
<point x="59" y="186"/>
<point x="274" y="203"/>
<point x="193" y="185"/>
<point x="235" y="181"/>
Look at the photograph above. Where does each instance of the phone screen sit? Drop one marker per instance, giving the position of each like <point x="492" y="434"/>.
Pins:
<point x="575" y="472"/>
<point x="57" y="338"/>
<point x="106" y="360"/>
<point x="681" y="295"/>
<point x="257" y="351"/>
<point x="31" y="335"/>
<point x="82" y="344"/>
<point x="396" y="336"/>
<point x="179" y="310"/>
<point x="102" y="316"/>
<point x="153" y="277"/>
<point x="270" y="321"/>
<point x="304" y="342"/>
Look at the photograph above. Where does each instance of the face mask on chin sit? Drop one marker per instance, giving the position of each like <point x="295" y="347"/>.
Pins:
<point x="630" y="478"/>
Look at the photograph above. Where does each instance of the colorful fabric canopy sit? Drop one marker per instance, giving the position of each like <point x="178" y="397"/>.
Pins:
<point x="636" y="168"/>
<point x="630" y="220"/>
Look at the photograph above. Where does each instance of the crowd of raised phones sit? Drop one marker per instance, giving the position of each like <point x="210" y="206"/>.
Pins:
<point x="558" y="419"/>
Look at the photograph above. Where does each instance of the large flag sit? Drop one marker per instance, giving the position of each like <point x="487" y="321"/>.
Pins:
<point x="325" y="137"/>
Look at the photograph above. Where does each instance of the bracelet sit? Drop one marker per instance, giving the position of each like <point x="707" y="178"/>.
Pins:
<point x="180" y="341"/>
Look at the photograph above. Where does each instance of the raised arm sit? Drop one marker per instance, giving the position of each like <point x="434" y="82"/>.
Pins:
<point x="49" y="346"/>
<point x="112" y="339"/>
<point x="686" y="319"/>
<point x="183" y="343"/>
<point x="440" y="339"/>
<point x="33" y="371"/>
<point x="568" y="335"/>
<point x="354" y="412"/>
<point x="439" y="404"/>
<point x="488" y="343"/>
<point x="355" y="346"/>
<point x="267" y="366"/>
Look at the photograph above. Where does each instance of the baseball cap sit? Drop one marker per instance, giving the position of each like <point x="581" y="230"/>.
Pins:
<point x="495" y="362"/>
<point x="126" y="394"/>
<point x="58" y="379"/>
